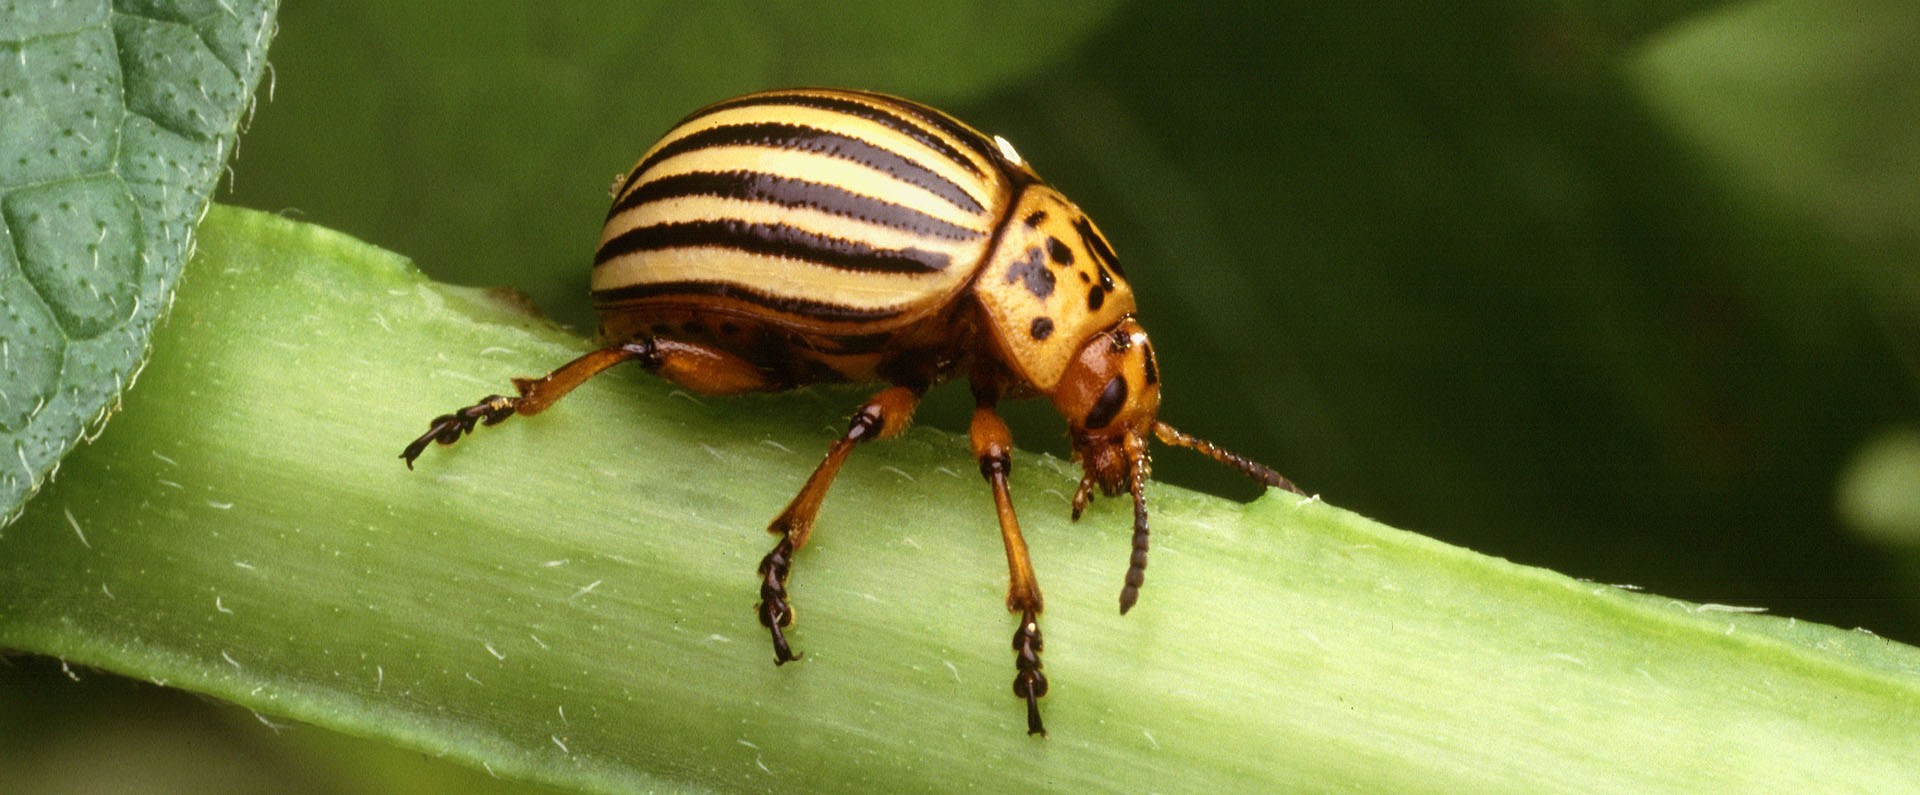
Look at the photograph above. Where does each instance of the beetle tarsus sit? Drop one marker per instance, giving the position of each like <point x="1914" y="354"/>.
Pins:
<point x="1029" y="683"/>
<point x="775" y="613"/>
<point x="448" y="428"/>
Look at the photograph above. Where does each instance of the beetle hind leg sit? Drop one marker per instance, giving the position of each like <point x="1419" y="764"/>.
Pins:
<point x="536" y="394"/>
<point x="703" y="369"/>
<point x="883" y="416"/>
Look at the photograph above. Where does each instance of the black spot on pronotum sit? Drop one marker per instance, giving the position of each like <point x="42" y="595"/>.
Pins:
<point x="1153" y="370"/>
<point x="1034" y="272"/>
<point x="1034" y="218"/>
<point x="1042" y="328"/>
<point x="1097" y="244"/>
<point x="1096" y="297"/>
<point x="1108" y="405"/>
<point x="1058" y="251"/>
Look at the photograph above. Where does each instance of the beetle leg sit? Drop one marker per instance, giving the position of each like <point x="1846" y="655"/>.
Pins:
<point x="535" y="396"/>
<point x="702" y="369"/>
<point x="993" y="445"/>
<point x="884" y="416"/>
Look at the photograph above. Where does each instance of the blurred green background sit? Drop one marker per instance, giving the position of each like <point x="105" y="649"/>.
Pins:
<point x="1626" y="290"/>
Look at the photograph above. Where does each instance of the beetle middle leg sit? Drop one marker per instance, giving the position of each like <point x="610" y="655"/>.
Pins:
<point x="697" y="367"/>
<point x="993" y="446"/>
<point x="884" y="416"/>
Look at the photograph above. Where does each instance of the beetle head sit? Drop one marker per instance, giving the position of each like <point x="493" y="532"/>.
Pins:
<point x="1110" y="396"/>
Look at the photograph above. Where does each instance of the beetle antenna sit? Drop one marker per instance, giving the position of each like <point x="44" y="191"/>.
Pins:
<point x="1247" y="466"/>
<point x="1136" y="565"/>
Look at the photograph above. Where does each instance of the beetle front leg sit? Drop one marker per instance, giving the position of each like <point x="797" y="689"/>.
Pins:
<point x="884" y="416"/>
<point x="993" y="446"/>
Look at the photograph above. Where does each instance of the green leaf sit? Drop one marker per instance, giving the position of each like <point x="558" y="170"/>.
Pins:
<point x="114" y="125"/>
<point x="568" y="598"/>
<point x="1808" y="103"/>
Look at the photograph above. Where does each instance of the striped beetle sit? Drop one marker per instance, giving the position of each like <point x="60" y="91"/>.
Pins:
<point x="822" y="235"/>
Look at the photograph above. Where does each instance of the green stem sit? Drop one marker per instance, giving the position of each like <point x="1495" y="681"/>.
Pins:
<point x="569" y="598"/>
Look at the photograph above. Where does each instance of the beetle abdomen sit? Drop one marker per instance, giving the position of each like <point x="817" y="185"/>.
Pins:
<point x="819" y="213"/>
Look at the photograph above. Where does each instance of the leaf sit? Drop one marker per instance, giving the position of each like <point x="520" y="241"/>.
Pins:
<point x="114" y="124"/>
<point x="1810" y="104"/>
<point x="568" y="598"/>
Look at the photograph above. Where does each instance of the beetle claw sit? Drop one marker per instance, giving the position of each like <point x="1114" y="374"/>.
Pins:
<point x="1029" y="683"/>
<point x="775" y="612"/>
<point x="448" y="428"/>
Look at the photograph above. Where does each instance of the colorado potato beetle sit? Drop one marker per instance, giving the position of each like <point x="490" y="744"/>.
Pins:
<point x="821" y="235"/>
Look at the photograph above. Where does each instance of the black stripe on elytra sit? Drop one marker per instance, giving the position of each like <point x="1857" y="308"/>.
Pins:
<point x="776" y="240"/>
<point x="799" y="137"/>
<point x="755" y="186"/>
<point x="819" y="310"/>
<point x="1097" y="244"/>
<point x="972" y="138"/>
<point x="842" y="105"/>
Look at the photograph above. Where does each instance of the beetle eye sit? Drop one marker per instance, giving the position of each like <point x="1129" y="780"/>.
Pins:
<point x="1111" y="399"/>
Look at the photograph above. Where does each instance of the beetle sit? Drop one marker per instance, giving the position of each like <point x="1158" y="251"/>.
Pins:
<point x="803" y="236"/>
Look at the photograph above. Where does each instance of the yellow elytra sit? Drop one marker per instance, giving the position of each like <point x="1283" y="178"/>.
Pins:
<point x="821" y="235"/>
